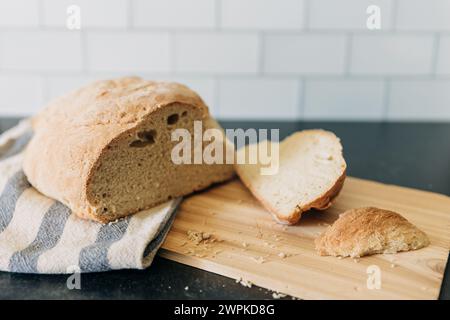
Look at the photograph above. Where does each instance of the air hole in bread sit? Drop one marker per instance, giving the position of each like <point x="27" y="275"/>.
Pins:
<point x="184" y="114"/>
<point x="149" y="135"/>
<point x="145" y="138"/>
<point x="172" y="119"/>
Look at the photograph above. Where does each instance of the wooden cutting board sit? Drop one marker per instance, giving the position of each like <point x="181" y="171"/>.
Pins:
<point x="253" y="247"/>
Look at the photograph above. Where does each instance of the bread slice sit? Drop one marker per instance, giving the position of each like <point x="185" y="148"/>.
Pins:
<point x="366" y="231"/>
<point x="105" y="150"/>
<point x="311" y="173"/>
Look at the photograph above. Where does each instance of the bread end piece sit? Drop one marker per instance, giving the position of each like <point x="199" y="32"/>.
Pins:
<point x="369" y="230"/>
<point x="311" y="174"/>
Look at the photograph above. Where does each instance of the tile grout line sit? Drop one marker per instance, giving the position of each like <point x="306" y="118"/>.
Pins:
<point x="41" y="15"/>
<point x="130" y="15"/>
<point x="172" y="53"/>
<point x="386" y="99"/>
<point x="301" y="87"/>
<point x="216" y="99"/>
<point x="348" y="54"/>
<point x="435" y="57"/>
<point x="394" y="17"/>
<point x="217" y="15"/>
<point x="261" y="53"/>
<point x="306" y="14"/>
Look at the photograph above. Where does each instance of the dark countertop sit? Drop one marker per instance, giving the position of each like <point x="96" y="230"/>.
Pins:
<point x="414" y="155"/>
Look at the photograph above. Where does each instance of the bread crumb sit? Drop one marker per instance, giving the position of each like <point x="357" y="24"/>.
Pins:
<point x="198" y="236"/>
<point x="244" y="283"/>
<point x="278" y="295"/>
<point x="186" y="288"/>
<point x="282" y="255"/>
<point x="245" y="244"/>
<point x="355" y="260"/>
<point x="393" y="265"/>
<point x="259" y="260"/>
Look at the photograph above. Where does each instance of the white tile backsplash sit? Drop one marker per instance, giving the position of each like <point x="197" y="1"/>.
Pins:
<point x="19" y="13"/>
<point x="392" y="54"/>
<point x="262" y="14"/>
<point x="174" y="13"/>
<point x="248" y="59"/>
<point x="443" y="57"/>
<point x="423" y="15"/>
<point x="93" y="13"/>
<point x="220" y="53"/>
<point x="44" y="51"/>
<point x="304" y="54"/>
<point x="56" y="86"/>
<point x="20" y="95"/>
<point x="419" y="100"/>
<point x="259" y="98"/>
<point x="348" y="14"/>
<point x="128" y="52"/>
<point x="344" y="99"/>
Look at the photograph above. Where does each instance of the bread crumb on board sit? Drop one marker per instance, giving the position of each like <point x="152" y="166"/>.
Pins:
<point x="201" y="244"/>
<point x="278" y="295"/>
<point x="244" y="283"/>
<point x="198" y="236"/>
<point x="282" y="255"/>
<point x="259" y="260"/>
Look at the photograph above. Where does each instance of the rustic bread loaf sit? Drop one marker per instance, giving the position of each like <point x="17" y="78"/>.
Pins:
<point x="311" y="173"/>
<point x="105" y="150"/>
<point x="365" y="231"/>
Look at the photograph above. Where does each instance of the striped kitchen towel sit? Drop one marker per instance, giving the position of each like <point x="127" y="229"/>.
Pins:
<point x="41" y="235"/>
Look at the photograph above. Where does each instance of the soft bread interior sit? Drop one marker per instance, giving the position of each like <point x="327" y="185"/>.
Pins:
<point x="136" y="171"/>
<point x="311" y="172"/>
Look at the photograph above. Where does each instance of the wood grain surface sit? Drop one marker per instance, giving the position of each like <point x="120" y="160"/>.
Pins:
<point x="247" y="244"/>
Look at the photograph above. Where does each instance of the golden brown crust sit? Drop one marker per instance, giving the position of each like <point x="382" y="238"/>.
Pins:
<point x="369" y="230"/>
<point x="72" y="132"/>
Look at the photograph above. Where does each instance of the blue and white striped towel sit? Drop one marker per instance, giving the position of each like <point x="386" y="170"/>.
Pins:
<point x="41" y="235"/>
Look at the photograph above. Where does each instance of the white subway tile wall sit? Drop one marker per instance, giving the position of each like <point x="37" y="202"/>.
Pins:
<point x="347" y="14"/>
<point x="419" y="100"/>
<point x="262" y="14"/>
<point x="344" y="99"/>
<point x="94" y="13"/>
<point x="183" y="14"/>
<point x="392" y="54"/>
<point x="128" y="51"/>
<point x="216" y="53"/>
<point x="259" y="98"/>
<point x="19" y="13"/>
<point x="248" y="59"/>
<point x="304" y="54"/>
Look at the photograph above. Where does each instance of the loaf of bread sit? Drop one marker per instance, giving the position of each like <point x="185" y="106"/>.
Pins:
<point x="366" y="231"/>
<point x="311" y="173"/>
<point x="105" y="150"/>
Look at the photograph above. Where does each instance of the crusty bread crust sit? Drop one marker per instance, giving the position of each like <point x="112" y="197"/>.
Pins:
<point x="72" y="133"/>
<point x="369" y="230"/>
